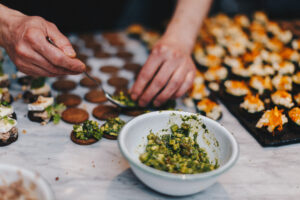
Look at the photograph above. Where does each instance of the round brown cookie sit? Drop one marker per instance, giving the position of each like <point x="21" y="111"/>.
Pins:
<point x="133" y="112"/>
<point x="95" y="96"/>
<point x="124" y="55"/>
<point x="88" y="68"/>
<point x="117" y="43"/>
<point x="102" y="54"/>
<point x="104" y="112"/>
<point x="110" y="137"/>
<point x="75" y="115"/>
<point x="87" y="82"/>
<point x="109" y="69"/>
<point x="64" y="85"/>
<point x="82" y="57"/>
<point x="69" y="100"/>
<point x="118" y="82"/>
<point x="93" y="45"/>
<point x="82" y="142"/>
<point x="134" y="67"/>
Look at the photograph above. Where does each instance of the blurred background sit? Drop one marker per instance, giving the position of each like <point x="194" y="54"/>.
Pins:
<point x="95" y="15"/>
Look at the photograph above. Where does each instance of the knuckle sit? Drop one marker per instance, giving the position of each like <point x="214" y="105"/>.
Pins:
<point x="19" y="49"/>
<point x="31" y="34"/>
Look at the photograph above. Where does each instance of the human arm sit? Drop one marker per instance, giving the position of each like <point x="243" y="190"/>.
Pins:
<point x="24" y="39"/>
<point x="169" y="70"/>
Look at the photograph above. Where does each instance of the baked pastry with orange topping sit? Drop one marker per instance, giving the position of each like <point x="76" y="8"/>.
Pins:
<point x="282" y="82"/>
<point x="209" y="108"/>
<point x="252" y="106"/>
<point x="294" y="118"/>
<point x="236" y="90"/>
<point x="261" y="84"/>
<point x="282" y="98"/>
<point x="273" y="121"/>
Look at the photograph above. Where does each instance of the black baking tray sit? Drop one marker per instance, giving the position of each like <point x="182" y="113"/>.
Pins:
<point x="290" y="136"/>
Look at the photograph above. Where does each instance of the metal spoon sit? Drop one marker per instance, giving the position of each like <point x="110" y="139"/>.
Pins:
<point x="107" y="95"/>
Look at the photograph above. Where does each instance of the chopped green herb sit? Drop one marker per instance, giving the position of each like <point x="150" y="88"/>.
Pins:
<point x="8" y="120"/>
<point x="124" y="99"/>
<point x="89" y="129"/>
<point x="55" y="112"/>
<point x="5" y="103"/>
<point x="176" y="152"/>
<point x="112" y="126"/>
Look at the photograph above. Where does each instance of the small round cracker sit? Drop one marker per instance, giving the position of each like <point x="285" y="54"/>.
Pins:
<point x="69" y="100"/>
<point x="64" y="85"/>
<point x="104" y="112"/>
<point x="75" y="115"/>
<point x="87" y="82"/>
<point x="95" y="96"/>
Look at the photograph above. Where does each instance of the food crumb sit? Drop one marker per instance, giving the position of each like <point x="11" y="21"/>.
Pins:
<point x="43" y="123"/>
<point x="94" y="165"/>
<point x="57" y="178"/>
<point x="24" y="131"/>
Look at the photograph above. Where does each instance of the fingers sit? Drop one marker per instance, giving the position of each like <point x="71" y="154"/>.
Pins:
<point x="37" y="39"/>
<point x="61" y="41"/>
<point x="149" y="69"/>
<point x="173" y="85"/>
<point x="188" y="82"/>
<point x="28" y="55"/>
<point x="33" y="70"/>
<point x="159" y="82"/>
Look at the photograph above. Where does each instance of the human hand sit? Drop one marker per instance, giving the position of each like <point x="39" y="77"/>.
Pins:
<point x="24" y="39"/>
<point x="168" y="73"/>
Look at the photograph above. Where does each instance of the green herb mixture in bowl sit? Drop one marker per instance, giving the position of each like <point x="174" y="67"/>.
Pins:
<point x="177" y="153"/>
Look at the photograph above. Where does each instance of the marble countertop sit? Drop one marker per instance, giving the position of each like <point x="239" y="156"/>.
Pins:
<point x="99" y="171"/>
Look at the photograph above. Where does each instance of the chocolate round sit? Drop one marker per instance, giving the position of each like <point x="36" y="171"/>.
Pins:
<point x="69" y="100"/>
<point x="95" y="96"/>
<point x="82" y="142"/>
<point x="82" y="57"/>
<point x="75" y="115"/>
<point x="64" y="85"/>
<point x="134" y="67"/>
<point x="12" y="138"/>
<point x="88" y="68"/>
<point x="125" y="55"/>
<point x="102" y="54"/>
<point x="33" y="118"/>
<point x="104" y="112"/>
<point x="87" y="82"/>
<point x="133" y="112"/>
<point x="118" y="82"/>
<point x="109" y="69"/>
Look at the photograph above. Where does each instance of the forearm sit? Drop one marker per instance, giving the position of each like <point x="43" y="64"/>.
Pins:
<point x="7" y="16"/>
<point x="186" y="22"/>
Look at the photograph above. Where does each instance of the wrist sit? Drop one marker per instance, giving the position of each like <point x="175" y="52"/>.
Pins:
<point x="7" y="18"/>
<point x="182" y="41"/>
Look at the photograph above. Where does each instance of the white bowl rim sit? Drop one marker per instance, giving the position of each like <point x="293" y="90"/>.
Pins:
<point x="34" y="176"/>
<point x="180" y="177"/>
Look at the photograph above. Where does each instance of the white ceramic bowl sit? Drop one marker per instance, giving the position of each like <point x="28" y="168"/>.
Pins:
<point x="11" y="173"/>
<point x="133" y="139"/>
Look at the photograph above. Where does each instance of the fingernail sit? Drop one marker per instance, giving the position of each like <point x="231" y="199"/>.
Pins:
<point x="69" y="51"/>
